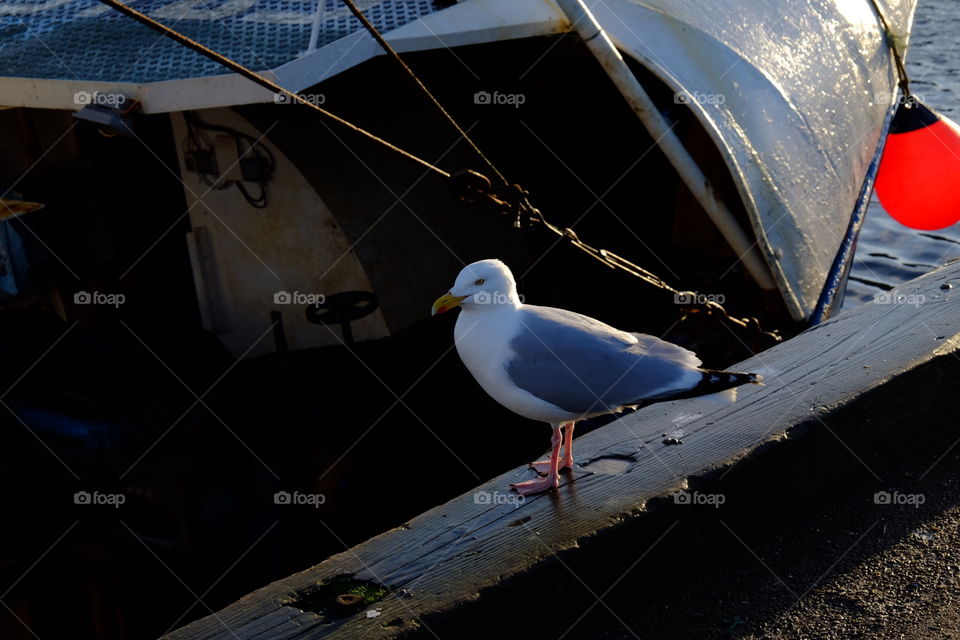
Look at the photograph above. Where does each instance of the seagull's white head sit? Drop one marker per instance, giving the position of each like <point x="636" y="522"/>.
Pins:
<point x="483" y="285"/>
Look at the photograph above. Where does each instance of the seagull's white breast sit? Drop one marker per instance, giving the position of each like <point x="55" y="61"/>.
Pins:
<point x="483" y="342"/>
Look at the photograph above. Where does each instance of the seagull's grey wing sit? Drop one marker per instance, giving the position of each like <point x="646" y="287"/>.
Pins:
<point x="585" y="366"/>
<point x="654" y="346"/>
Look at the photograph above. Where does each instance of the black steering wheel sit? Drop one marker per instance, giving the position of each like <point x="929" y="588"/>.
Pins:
<point x="342" y="309"/>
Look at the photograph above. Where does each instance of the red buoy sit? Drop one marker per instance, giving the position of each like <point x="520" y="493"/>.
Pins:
<point x="918" y="182"/>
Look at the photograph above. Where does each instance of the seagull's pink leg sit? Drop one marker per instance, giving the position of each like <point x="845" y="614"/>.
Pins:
<point x="567" y="461"/>
<point x="552" y="480"/>
<point x="543" y="466"/>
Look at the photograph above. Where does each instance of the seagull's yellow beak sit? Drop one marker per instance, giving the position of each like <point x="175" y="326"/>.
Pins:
<point x="446" y="302"/>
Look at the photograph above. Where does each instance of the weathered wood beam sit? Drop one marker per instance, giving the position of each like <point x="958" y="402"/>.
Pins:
<point x="450" y="554"/>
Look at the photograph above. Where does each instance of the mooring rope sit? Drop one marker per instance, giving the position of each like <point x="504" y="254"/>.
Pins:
<point x="373" y="31"/>
<point x="890" y="38"/>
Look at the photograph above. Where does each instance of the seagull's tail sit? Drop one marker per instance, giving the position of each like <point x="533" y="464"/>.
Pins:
<point x="714" y="381"/>
<point x="717" y="381"/>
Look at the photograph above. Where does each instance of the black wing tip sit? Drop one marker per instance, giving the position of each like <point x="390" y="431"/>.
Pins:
<point x="711" y="381"/>
<point x="728" y="379"/>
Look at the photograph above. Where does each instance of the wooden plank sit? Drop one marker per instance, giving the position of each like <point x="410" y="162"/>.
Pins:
<point x="277" y="623"/>
<point x="447" y="555"/>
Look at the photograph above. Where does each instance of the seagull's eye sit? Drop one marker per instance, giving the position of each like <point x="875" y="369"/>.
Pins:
<point x="479" y="281"/>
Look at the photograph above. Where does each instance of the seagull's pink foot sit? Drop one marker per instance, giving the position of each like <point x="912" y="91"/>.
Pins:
<point x="539" y="485"/>
<point x="543" y="466"/>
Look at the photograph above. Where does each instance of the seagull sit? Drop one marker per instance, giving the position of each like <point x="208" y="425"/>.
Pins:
<point x="559" y="367"/>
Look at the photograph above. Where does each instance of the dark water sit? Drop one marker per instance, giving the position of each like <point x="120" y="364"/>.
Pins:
<point x="889" y="253"/>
